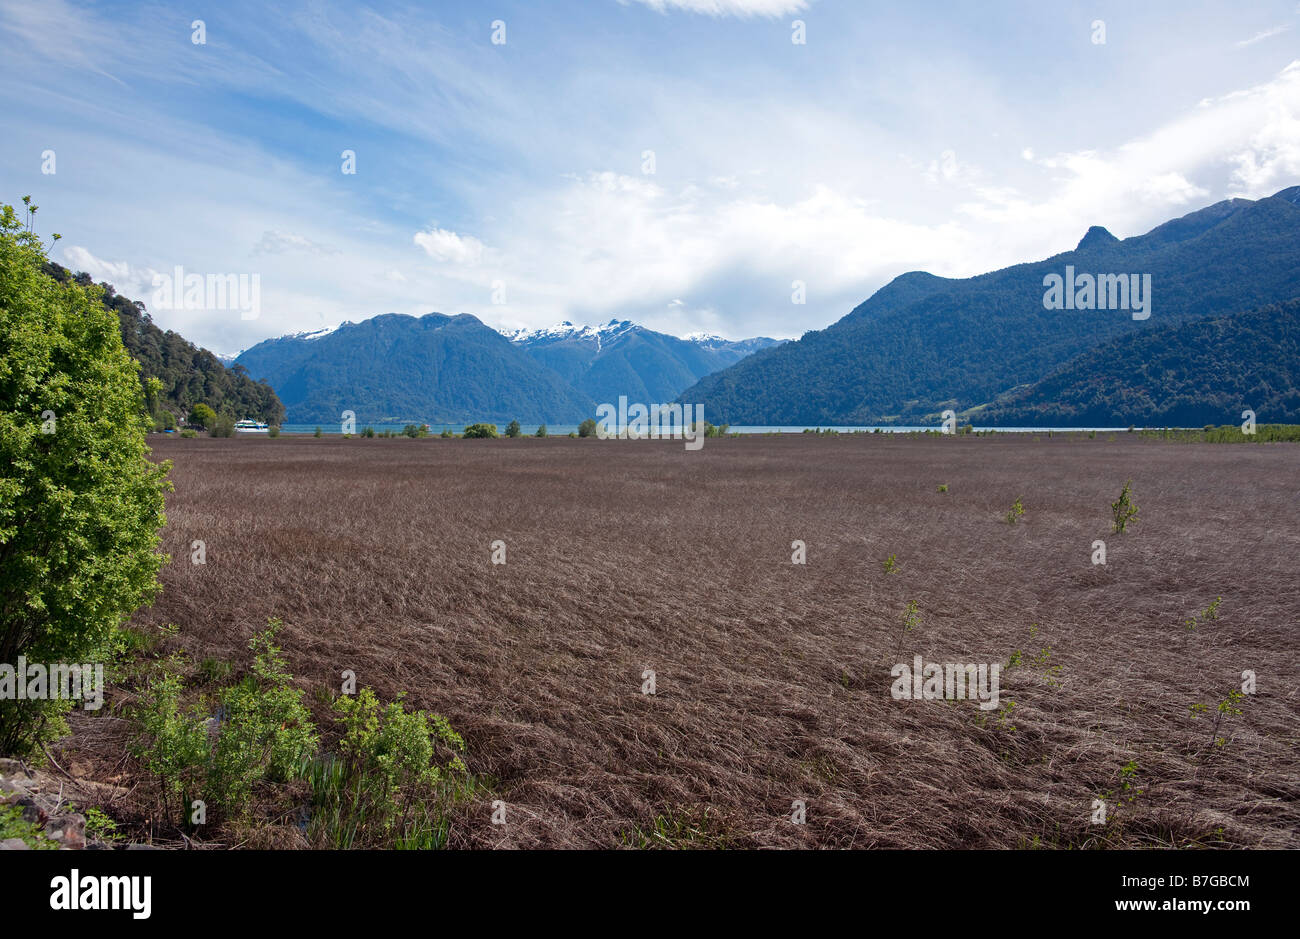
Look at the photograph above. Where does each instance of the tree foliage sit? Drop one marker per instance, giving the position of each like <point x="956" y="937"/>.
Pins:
<point x="80" y="501"/>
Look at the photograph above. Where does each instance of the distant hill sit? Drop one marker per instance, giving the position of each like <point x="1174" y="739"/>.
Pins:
<point x="622" y="358"/>
<point x="189" y="375"/>
<point x="396" y="368"/>
<point x="1180" y="375"/>
<point x="924" y="343"/>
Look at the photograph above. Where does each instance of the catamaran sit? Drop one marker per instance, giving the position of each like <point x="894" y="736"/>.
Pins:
<point x="251" y="427"/>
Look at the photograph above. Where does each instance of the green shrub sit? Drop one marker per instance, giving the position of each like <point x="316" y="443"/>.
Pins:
<point x="446" y="434"/>
<point x="317" y="433"/>
<point x="264" y="732"/>
<point x="1124" y="509"/>
<point x="100" y="827"/>
<point x="273" y="430"/>
<point x="80" y="502"/>
<point x="222" y="426"/>
<point x="189" y="433"/>
<point x="541" y="431"/>
<point x="388" y="785"/>
<point x="481" y="431"/>
<point x="171" y="744"/>
<point x="513" y="430"/>
<point x="1017" y="510"/>
<point x="267" y="731"/>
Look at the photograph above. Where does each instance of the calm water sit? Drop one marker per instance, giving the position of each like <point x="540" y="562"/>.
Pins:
<point x="562" y="430"/>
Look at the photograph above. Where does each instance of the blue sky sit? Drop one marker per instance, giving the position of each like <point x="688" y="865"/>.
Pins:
<point x="949" y="137"/>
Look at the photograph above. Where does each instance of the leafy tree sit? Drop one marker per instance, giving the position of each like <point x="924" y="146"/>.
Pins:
<point x="202" y="416"/>
<point x="481" y="430"/>
<point x="587" y="428"/>
<point x="513" y="430"/>
<point x="80" y="501"/>
<point x="541" y="431"/>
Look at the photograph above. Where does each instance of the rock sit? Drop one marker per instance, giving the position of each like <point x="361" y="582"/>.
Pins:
<point x="68" y="830"/>
<point x="14" y="844"/>
<point x="31" y="811"/>
<point x="10" y="767"/>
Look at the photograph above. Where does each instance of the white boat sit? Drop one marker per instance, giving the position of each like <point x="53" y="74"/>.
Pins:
<point x="251" y="427"/>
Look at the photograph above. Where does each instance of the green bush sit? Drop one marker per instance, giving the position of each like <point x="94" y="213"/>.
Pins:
<point x="416" y="430"/>
<point x="171" y="744"/>
<point x="388" y="784"/>
<point x="201" y="416"/>
<point x="481" y="430"/>
<point x="273" y="430"/>
<point x="1124" y="509"/>
<point x="222" y="426"/>
<point x="541" y="431"/>
<point x="317" y="433"/>
<point x="513" y="430"/>
<point x="267" y="731"/>
<point x="587" y="428"/>
<point x="446" y="434"/>
<point x="80" y="502"/>
<point x="264" y="732"/>
<point x="189" y="433"/>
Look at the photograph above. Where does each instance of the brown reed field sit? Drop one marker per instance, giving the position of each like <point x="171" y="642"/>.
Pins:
<point x="772" y="679"/>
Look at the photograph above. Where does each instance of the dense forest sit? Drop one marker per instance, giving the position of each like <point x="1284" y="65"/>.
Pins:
<point x="189" y="375"/>
<point x="1204" y="372"/>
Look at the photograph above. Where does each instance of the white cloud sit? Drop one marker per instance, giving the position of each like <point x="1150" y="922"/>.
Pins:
<point x="1260" y="37"/>
<point x="447" y="247"/>
<point x="742" y="8"/>
<point x="125" y="278"/>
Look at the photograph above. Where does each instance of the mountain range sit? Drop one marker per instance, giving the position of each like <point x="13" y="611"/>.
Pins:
<point x="622" y="358"/>
<point x="454" y="369"/>
<point x="989" y="348"/>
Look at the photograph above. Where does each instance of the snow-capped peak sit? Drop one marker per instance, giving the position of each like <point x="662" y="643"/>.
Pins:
<point x="567" y="330"/>
<point x="703" y="337"/>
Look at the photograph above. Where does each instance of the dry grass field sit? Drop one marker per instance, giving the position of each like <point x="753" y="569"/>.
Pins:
<point x="772" y="679"/>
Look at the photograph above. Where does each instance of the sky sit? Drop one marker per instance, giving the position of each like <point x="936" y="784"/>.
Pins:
<point x="680" y="163"/>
